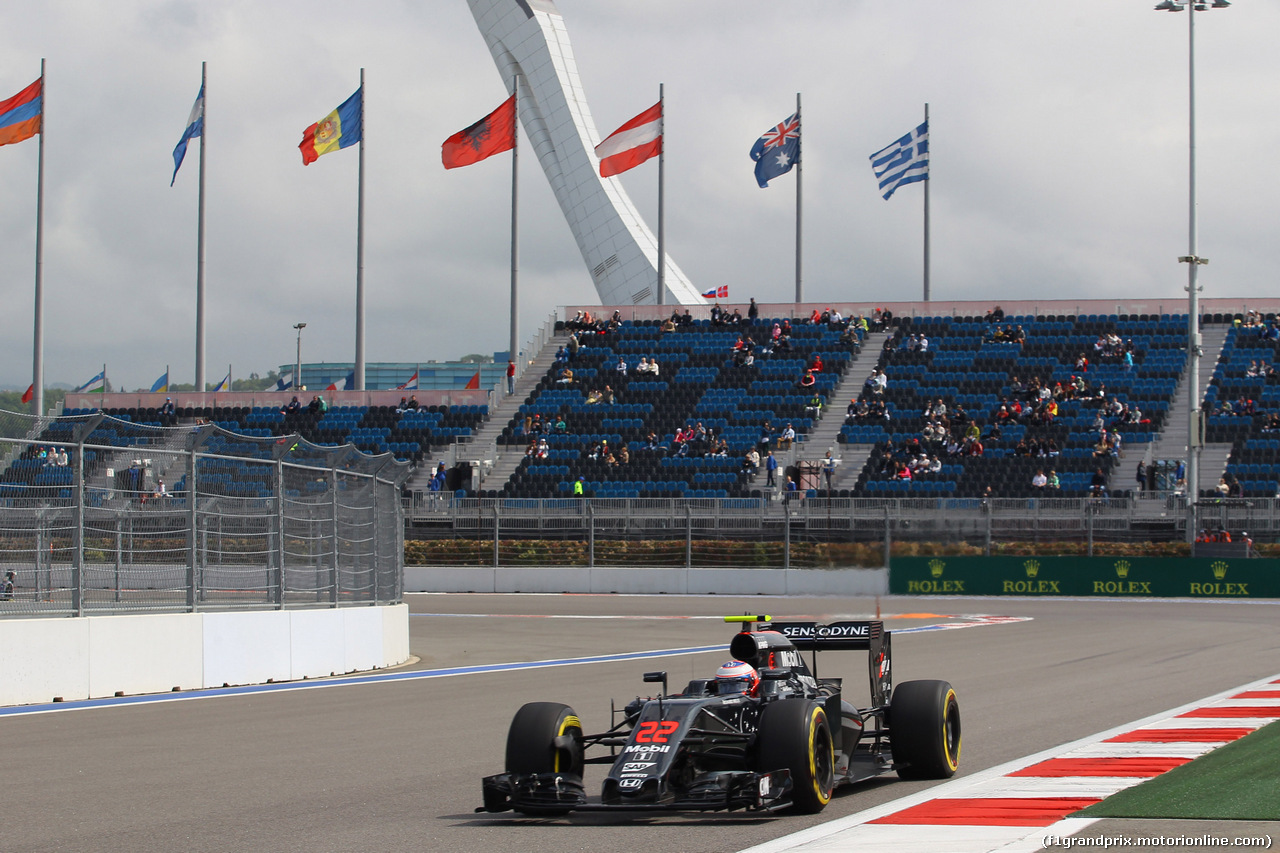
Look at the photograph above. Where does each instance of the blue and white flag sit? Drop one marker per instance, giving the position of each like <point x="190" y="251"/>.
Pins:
<point x="904" y="162"/>
<point x="777" y="151"/>
<point x="97" y="383"/>
<point x="161" y="384"/>
<point x="284" y="383"/>
<point x="195" y="127"/>
<point x="224" y="385"/>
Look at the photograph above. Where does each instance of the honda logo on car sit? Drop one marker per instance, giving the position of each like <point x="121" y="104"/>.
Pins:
<point x="630" y="783"/>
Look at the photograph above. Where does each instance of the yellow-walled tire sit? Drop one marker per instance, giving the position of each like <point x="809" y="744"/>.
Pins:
<point x="532" y="740"/>
<point x="924" y="730"/>
<point x="794" y="734"/>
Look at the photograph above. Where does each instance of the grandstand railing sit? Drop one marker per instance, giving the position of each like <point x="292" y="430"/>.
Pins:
<point x="241" y="523"/>
<point x="684" y="532"/>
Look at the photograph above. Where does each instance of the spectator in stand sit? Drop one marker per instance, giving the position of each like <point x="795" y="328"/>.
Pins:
<point x="815" y="366"/>
<point x="607" y="396"/>
<point x="814" y="408"/>
<point x="6" y="588"/>
<point x="621" y="367"/>
<point x="1039" y="481"/>
<point x="668" y="326"/>
<point x="751" y="463"/>
<point x="1098" y="484"/>
<point x="788" y="436"/>
<point x="1052" y="482"/>
<point x="566" y="377"/>
<point x="829" y="468"/>
<point x="770" y="468"/>
<point x="511" y="376"/>
<point x="292" y="408"/>
<point x="1141" y="476"/>
<point x="808" y="380"/>
<point x="167" y="416"/>
<point x="753" y="310"/>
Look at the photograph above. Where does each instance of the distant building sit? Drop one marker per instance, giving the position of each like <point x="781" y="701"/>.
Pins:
<point x="380" y="376"/>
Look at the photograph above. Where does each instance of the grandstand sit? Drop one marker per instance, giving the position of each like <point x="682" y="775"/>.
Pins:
<point x="1132" y="390"/>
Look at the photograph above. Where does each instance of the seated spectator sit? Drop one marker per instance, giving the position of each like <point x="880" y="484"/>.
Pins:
<point x="621" y="367"/>
<point x="814" y="407"/>
<point x="808" y="380"/>
<point x="594" y="396"/>
<point x="1098" y="484"/>
<point x="788" y="436"/>
<point x="624" y="455"/>
<point x="815" y="366"/>
<point x="653" y="367"/>
<point x="566" y="377"/>
<point x="1039" y="481"/>
<point x="607" y="395"/>
<point x="751" y="463"/>
<point x="1051" y="481"/>
<point x="292" y="408"/>
<point x="668" y="326"/>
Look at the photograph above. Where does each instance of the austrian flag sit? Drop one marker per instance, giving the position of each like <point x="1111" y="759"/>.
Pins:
<point x="633" y="143"/>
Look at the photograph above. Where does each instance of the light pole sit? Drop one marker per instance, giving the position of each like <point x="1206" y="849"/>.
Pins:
<point x="297" y="366"/>
<point x="1195" y="439"/>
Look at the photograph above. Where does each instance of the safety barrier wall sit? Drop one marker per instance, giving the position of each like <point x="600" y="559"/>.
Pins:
<point x="1087" y="576"/>
<point x="648" y="581"/>
<point x="104" y="655"/>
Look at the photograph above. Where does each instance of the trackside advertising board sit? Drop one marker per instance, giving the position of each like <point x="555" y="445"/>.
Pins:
<point x="1084" y="576"/>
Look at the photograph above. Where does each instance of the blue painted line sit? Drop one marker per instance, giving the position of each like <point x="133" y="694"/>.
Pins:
<point x="249" y="689"/>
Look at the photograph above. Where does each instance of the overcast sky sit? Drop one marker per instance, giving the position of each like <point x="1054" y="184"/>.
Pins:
<point x="1058" y="137"/>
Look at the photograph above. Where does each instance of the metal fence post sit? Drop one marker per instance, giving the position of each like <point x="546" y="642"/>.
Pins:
<point x="1088" y="522"/>
<point x="496" y="541"/>
<point x="77" y="569"/>
<point x="278" y="575"/>
<point x="591" y="534"/>
<point x="377" y="562"/>
<point x="986" y="546"/>
<point x="119" y="553"/>
<point x="688" y="536"/>
<point x="888" y="534"/>
<point x="786" y="534"/>
<point x="193" y="575"/>
<point x="333" y="512"/>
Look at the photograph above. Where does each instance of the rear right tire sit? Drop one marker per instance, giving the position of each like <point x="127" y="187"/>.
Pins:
<point x="924" y="730"/>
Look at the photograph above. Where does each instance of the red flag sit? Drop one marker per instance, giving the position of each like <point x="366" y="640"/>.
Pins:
<point x="333" y="386"/>
<point x="633" y="143"/>
<point x="474" y="384"/>
<point x="491" y="135"/>
<point x="29" y="393"/>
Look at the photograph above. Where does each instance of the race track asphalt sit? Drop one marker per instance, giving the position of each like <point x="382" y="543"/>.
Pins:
<point x="396" y="765"/>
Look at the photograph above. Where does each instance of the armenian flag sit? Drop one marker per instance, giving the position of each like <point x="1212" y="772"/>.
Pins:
<point x="20" y="115"/>
<point x="339" y="129"/>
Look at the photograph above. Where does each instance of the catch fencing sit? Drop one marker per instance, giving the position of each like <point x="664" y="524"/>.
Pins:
<point x="808" y="532"/>
<point x="100" y="515"/>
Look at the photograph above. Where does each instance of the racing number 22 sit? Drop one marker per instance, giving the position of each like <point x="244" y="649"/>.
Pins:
<point x="655" y="731"/>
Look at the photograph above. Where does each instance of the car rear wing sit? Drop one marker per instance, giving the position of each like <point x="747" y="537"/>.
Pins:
<point x="867" y="635"/>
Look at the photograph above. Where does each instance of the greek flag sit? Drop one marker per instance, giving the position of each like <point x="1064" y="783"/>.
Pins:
<point x="903" y="162"/>
<point x="195" y="127"/>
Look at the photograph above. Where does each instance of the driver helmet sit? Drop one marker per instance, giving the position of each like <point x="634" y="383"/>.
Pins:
<point x="736" y="676"/>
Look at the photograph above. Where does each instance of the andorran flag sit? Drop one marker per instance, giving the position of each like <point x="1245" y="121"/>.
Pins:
<point x="491" y="135"/>
<point x="20" y="115"/>
<point x="339" y="129"/>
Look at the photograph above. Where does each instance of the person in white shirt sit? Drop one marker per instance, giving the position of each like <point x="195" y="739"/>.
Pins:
<point x="1039" y="481"/>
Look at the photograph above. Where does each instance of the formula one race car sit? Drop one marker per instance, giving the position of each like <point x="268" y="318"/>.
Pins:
<point x="766" y="734"/>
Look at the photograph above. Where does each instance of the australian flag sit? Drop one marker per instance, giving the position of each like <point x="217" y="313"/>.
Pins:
<point x="777" y="151"/>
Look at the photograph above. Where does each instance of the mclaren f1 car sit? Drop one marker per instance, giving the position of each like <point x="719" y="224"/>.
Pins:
<point x="784" y="741"/>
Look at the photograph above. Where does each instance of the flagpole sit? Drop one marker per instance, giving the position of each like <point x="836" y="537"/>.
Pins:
<point x="926" y="217"/>
<point x="662" y="154"/>
<point x="515" y="233"/>
<point x="204" y="130"/>
<point x="359" y="366"/>
<point x="37" y="334"/>
<point x="799" y="220"/>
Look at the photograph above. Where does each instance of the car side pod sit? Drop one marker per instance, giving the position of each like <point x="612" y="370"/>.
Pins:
<point x="536" y="794"/>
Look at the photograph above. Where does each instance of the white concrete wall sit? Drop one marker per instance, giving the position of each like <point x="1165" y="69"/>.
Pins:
<point x="98" y="656"/>
<point x="650" y="581"/>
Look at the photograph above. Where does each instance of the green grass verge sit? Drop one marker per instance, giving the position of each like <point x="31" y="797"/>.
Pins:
<point x="1239" y="781"/>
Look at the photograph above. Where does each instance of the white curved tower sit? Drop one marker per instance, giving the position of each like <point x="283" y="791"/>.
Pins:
<point x="528" y="37"/>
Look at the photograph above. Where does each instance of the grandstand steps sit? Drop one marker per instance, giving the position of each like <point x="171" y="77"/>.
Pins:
<point x="1172" y="443"/>
<point x="484" y="442"/>
<point x="823" y="435"/>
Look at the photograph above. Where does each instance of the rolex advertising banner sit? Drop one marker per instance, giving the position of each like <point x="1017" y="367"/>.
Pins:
<point x="1160" y="577"/>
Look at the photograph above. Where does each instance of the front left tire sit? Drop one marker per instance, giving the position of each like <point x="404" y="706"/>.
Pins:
<point x="795" y="734"/>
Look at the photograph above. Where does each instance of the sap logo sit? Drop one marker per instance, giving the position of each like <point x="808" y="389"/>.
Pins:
<point x="630" y="783"/>
<point x="637" y="766"/>
<point x="648" y="750"/>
